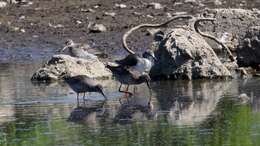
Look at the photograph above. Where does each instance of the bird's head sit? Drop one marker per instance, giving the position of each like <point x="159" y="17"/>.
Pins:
<point x="149" y="54"/>
<point x="69" y="42"/>
<point x="145" y="77"/>
<point x="99" y="88"/>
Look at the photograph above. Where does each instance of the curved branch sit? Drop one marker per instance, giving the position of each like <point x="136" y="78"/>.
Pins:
<point x="195" y="26"/>
<point x="149" y="26"/>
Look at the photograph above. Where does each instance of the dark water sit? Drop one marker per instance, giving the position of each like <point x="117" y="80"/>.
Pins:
<point x="181" y="113"/>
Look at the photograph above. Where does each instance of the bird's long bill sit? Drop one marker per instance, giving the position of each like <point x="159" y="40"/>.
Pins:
<point x="61" y="50"/>
<point x="155" y="59"/>
<point x="103" y="95"/>
<point x="148" y="84"/>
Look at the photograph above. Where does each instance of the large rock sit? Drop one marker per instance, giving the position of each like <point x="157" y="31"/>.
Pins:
<point x="184" y="54"/>
<point x="248" y="52"/>
<point x="59" y="65"/>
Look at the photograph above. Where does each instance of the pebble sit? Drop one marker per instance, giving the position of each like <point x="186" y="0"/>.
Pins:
<point x="217" y="2"/>
<point x="137" y="13"/>
<point x="112" y="14"/>
<point x="149" y="16"/>
<point x="96" y="28"/>
<point x="22" y="30"/>
<point x="120" y="6"/>
<point x="88" y="10"/>
<point x="78" y="22"/>
<point x="56" y="26"/>
<point x="155" y="5"/>
<point x="22" y="17"/>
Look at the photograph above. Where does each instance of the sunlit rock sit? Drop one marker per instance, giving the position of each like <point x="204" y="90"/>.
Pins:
<point x="183" y="54"/>
<point x="59" y="65"/>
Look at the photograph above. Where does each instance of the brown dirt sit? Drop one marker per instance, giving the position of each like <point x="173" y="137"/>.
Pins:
<point x="40" y="39"/>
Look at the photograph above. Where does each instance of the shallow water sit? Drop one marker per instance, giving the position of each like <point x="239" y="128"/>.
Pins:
<point x="180" y="113"/>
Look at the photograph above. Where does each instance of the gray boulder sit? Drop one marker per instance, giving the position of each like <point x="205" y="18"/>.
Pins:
<point x="59" y="65"/>
<point x="184" y="54"/>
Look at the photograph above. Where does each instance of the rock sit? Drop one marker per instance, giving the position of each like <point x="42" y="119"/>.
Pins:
<point x="217" y="2"/>
<point x="59" y="65"/>
<point x="248" y="52"/>
<point x="3" y="4"/>
<point x="155" y="5"/>
<point x="183" y="54"/>
<point x="56" y="26"/>
<point x="121" y="6"/>
<point x="137" y="14"/>
<point x="112" y="14"/>
<point x="96" y="28"/>
<point x="88" y="10"/>
<point x="243" y="98"/>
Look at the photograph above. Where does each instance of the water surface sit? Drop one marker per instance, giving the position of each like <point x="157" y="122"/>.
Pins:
<point x="181" y="113"/>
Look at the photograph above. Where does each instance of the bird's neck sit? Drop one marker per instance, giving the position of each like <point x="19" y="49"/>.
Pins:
<point x="150" y="59"/>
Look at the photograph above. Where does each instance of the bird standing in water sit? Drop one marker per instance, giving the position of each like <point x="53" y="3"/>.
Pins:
<point x="78" y="50"/>
<point x="128" y="77"/>
<point x="83" y="84"/>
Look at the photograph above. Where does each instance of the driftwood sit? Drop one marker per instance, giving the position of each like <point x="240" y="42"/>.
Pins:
<point x="149" y="26"/>
<point x="195" y="26"/>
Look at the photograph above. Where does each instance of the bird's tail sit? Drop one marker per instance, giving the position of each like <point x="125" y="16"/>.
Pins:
<point x="116" y="70"/>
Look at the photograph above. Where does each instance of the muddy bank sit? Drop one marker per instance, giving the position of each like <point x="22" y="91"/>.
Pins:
<point x="35" y="30"/>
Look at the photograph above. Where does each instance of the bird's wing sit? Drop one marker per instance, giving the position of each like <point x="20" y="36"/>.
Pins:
<point x="134" y="73"/>
<point x="90" y="81"/>
<point x="130" y="60"/>
<point x="119" y="70"/>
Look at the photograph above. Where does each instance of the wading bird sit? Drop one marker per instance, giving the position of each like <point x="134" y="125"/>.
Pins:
<point x="78" y="50"/>
<point x="83" y="84"/>
<point x="128" y="77"/>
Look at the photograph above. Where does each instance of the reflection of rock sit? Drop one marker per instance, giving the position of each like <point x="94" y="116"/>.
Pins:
<point x="59" y="65"/>
<point x="185" y="54"/>
<point x="6" y="113"/>
<point x="135" y="109"/>
<point x="226" y="109"/>
<point x="204" y="95"/>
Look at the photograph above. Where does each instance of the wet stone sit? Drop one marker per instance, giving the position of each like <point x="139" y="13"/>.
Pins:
<point x="183" y="54"/>
<point x="96" y="28"/>
<point x="60" y="65"/>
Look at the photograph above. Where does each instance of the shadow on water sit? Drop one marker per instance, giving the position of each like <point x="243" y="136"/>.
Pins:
<point x="180" y="113"/>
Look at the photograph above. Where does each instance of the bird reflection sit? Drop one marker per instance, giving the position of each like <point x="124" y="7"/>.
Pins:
<point x="135" y="108"/>
<point x="88" y="112"/>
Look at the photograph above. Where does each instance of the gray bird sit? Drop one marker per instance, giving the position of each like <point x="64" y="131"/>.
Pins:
<point x="141" y="64"/>
<point x="83" y="84"/>
<point x="128" y="77"/>
<point x="78" y="50"/>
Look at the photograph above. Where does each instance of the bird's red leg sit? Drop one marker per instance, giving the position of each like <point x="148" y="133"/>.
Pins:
<point x="126" y="90"/>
